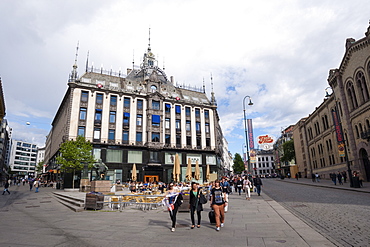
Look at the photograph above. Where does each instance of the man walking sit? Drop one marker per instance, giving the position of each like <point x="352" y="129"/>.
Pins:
<point x="258" y="183"/>
<point x="6" y="187"/>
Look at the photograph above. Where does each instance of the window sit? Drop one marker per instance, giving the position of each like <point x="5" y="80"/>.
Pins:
<point x="99" y="98"/>
<point x="187" y="111"/>
<point x="125" y="136"/>
<point x="152" y="88"/>
<point x="156" y="120"/>
<point x="178" y="124"/>
<point x="98" y="114"/>
<point x="208" y="142"/>
<point x="84" y="96"/>
<point x="126" y="102"/>
<point x="155" y="137"/>
<point x="113" y="100"/>
<point x="188" y="141"/>
<point x="139" y="136"/>
<point x="114" y="156"/>
<point x="197" y="112"/>
<point x="168" y="139"/>
<point x="139" y="104"/>
<point x="139" y="120"/>
<point x="198" y="141"/>
<point x="83" y="112"/>
<point x="111" y="134"/>
<point x="197" y="126"/>
<point x="178" y="140"/>
<point x="135" y="157"/>
<point x="167" y="123"/>
<point x="188" y="125"/>
<point x="167" y="108"/>
<point x="178" y="109"/>
<point x="112" y="117"/>
<point x="97" y="133"/>
<point x="207" y="128"/>
<point x="155" y="105"/>
<point x="206" y="114"/>
<point x="81" y="131"/>
<point x="153" y="157"/>
<point x="126" y="119"/>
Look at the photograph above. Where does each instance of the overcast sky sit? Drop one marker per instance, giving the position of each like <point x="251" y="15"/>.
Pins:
<point x="277" y="52"/>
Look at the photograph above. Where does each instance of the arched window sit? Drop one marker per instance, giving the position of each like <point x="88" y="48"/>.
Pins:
<point x="351" y="96"/>
<point x="357" y="133"/>
<point x="368" y="124"/>
<point x="362" y="88"/>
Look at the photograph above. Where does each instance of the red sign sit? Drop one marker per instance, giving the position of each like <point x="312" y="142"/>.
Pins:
<point x="265" y="139"/>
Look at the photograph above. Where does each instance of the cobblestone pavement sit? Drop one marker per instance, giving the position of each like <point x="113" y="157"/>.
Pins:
<point x="342" y="216"/>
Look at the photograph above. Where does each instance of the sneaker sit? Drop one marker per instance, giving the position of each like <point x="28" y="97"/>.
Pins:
<point x="222" y="224"/>
<point x="172" y="229"/>
<point x="217" y="228"/>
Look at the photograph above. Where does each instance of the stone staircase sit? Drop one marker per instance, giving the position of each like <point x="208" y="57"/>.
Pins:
<point x="74" y="203"/>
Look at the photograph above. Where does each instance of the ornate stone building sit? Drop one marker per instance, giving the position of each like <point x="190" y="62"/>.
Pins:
<point x="315" y="137"/>
<point x="141" y="118"/>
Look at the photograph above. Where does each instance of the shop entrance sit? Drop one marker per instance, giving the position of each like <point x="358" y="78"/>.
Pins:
<point x="151" y="178"/>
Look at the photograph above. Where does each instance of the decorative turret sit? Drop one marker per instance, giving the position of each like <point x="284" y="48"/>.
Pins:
<point x="213" y="99"/>
<point x="74" y="75"/>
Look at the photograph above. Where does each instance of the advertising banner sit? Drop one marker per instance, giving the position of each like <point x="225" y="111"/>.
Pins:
<point x="250" y="134"/>
<point x="266" y="142"/>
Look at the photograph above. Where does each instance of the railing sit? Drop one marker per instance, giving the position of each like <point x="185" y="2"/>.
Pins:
<point x="105" y="72"/>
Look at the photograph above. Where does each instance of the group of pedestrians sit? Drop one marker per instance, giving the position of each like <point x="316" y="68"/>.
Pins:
<point x="340" y="176"/>
<point x="218" y="198"/>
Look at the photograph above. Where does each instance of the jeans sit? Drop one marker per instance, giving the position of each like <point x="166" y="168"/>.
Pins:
<point x="173" y="214"/>
<point x="258" y="187"/>
<point x="192" y="211"/>
<point x="37" y="189"/>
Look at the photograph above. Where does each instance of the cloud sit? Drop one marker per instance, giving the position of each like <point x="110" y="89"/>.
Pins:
<point x="277" y="52"/>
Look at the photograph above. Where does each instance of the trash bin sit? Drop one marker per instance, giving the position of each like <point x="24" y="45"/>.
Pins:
<point x="356" y="182"/>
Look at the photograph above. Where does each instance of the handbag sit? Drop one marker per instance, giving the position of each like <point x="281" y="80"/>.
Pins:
<point x="202" y="199"/>
<point x="171" y="207"/>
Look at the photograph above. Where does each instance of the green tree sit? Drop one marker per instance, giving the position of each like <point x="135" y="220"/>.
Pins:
<point x="289" y="153"/>
<point x="39" y="166"/>
<point x="238" y="165"/>
<point x="74" y="155"/>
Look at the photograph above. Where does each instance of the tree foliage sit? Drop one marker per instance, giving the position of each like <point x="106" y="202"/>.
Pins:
<point x="74" y="155"/>
<point x="289" y="152"/>
<point x="39" y="166"/>
<point x="238" y="165"/>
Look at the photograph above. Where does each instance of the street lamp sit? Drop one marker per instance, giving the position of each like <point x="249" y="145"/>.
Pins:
<point x="341" y="130"/>
<point x="245" y="129"/>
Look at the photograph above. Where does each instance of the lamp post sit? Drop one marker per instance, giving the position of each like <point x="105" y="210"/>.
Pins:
<point x="245" y="129"/>
<point x="341" y="130"/>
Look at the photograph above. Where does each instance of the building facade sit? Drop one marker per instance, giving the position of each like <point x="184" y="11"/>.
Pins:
<point x="284" y="167"/>
<point x="265" y="163"/>
<point x="23" y="158"/>
<point x="335" y="137"/>
<point x="5" y="137"/>
<point x="141" y="118"/>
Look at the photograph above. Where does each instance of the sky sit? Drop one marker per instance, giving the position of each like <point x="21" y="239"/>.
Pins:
<point x="277" y="52"/>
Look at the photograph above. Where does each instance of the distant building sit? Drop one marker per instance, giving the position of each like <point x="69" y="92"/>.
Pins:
<point x="325" y="147"/>
<point x="23" y="158"/>
<point x="5" y="135"/>
<point x="40" y="158"/>
<point x="264" y="165"/>
<point x="284" y="167"/>
<point x="141" y="118"/>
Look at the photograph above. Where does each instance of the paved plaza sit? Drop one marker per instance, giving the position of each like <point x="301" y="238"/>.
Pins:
<point x="37" y="219"/>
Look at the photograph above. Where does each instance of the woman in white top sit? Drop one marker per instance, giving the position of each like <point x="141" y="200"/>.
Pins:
<point x="247" y="187"/>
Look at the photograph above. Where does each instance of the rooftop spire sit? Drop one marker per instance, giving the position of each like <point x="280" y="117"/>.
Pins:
<point x="73" y="76"/>
<point x="149" y="49"/>
<point x="87" y="61"/>
<point x="213" y="99"/>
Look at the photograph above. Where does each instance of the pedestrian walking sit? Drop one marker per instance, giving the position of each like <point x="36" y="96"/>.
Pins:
<point x="344" y="175"/>
<point x="247" y="185"/>
<point x="239" y="185"/>
<point x="195" y="204"/>
<point x="36" y="184"/>
<point x="258" y="184"/>
<point x="296" y="176"/>
<point x="313" y="177"/>
<point x="333" y="177"/>
<point x="173" y="201"/>
<point x="6" y="187"/>
<point x="30" y="182"/>
<point x="339" y="176"/>
<point x="218" y="202"/>
<point x="317" y="176"/>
